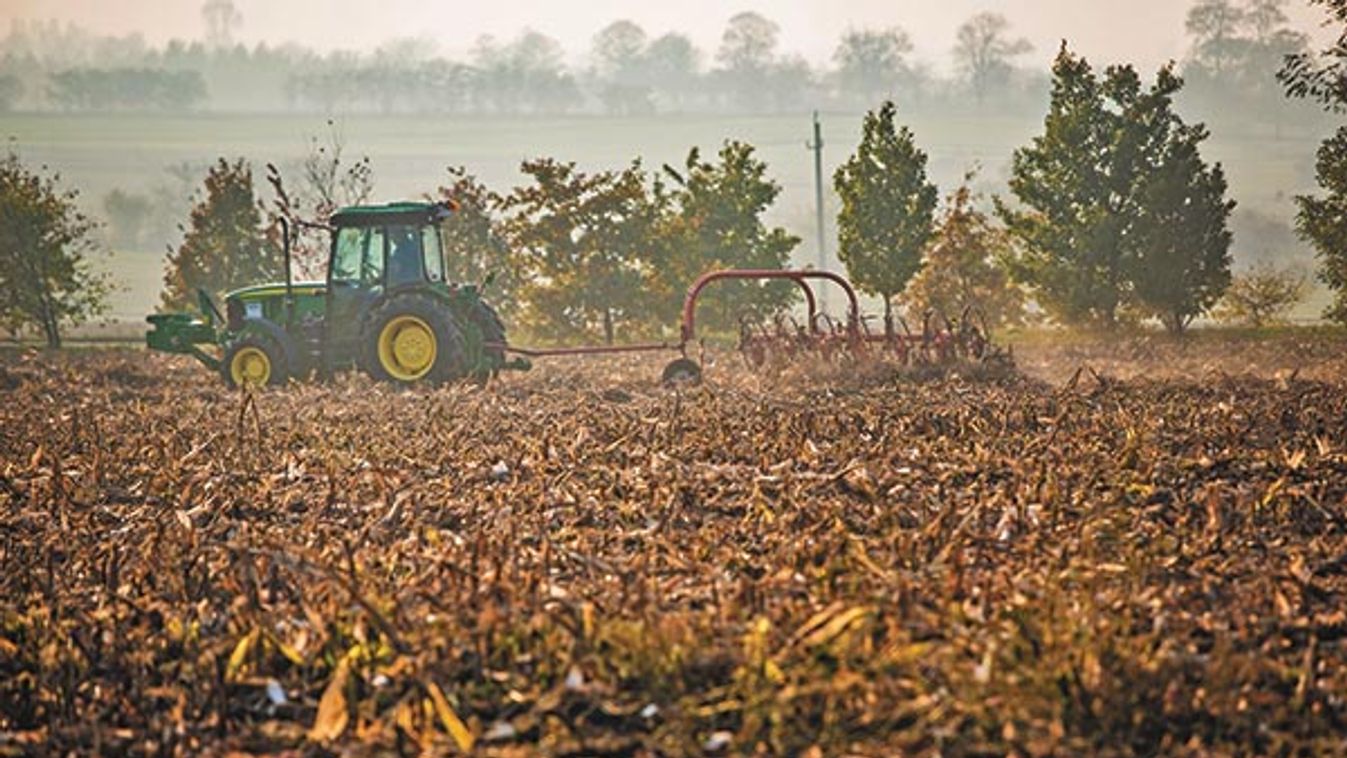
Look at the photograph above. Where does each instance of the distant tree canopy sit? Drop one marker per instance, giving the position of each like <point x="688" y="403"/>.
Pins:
<point x="127" y="88"/>
<point x="226" y="244"/>
<point x="888" y="208"/>
<point x="1238" y="46"/>
<point x="985" y="53"/>
<point x="1115" y="205"/>
<point x="872" y="65"/>
<point x="46" y="243"/>
<point x="629" y="72"/>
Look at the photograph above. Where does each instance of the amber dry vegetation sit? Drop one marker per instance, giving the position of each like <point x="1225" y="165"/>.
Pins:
<point x="1124" y="549"/>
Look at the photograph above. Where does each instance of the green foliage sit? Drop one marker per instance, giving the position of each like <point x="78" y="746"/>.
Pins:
<point x="888" y="207"/>
<point x="1115" y="202"/>
<point x="474" y="243"/>
<point x="1180" y="263"/>
<point x="712" y="219"/>
<point x="1262" y="296"/>
<point x="963" y="266"/>
<point x="225" y="245"/>
<point x="578" y="239"/>
<point x="1322" y="77"/>
<point x="1322" y="221"/>
<point x="46" y="280"/>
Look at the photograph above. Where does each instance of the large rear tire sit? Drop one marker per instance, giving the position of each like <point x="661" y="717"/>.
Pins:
<point x="492" y="329"/>
<point x="411" y="339"/>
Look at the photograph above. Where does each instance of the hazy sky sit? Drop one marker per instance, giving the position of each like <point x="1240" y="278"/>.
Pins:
<point x="1147" y="32"/>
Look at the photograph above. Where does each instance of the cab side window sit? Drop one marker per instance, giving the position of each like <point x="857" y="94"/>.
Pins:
<point x="430" y="243"/>
<point x="359" y="257"/>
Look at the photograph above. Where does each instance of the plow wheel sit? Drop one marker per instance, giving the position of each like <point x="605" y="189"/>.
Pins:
<point x="937" y="337"/>
<point x="682" y="372"/>
<point x="973" y="333"/>
<point x="751" y="345"/>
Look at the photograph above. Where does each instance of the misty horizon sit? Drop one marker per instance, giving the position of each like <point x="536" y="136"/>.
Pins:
<point x="1148" y="33"/>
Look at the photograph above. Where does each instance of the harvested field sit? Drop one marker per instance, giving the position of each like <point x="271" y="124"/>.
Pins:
<point x="1145" y="556"/>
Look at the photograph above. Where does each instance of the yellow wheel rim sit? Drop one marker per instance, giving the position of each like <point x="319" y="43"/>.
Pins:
<point x="250" y="366"/>
<point x="407" y="348"/>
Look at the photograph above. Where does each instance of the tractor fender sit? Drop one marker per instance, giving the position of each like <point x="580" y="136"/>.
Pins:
<point x="294" y="357"/>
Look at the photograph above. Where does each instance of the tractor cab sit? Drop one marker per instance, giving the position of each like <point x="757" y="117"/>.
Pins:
<point x="385" y="307"/>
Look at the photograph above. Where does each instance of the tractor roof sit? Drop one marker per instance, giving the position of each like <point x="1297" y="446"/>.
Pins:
<point x="392" y="213"/>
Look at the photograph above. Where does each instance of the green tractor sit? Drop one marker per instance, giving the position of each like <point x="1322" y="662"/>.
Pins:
<point x="386" y="308"/>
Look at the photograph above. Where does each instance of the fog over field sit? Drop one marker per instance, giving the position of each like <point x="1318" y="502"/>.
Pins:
<point x="138" y="98"/>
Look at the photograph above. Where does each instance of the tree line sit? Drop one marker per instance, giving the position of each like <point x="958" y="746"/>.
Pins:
<point x="1237" y="46"/>
<point x="1113" y="216"/>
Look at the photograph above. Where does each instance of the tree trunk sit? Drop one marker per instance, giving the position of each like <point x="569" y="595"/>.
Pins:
<point x="51" y="329"/>
<point x="608" y="326"/>
<point x="888" y="315"/>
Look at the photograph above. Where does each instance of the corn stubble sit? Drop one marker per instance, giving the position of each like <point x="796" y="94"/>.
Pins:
<point x="578" y="562"/>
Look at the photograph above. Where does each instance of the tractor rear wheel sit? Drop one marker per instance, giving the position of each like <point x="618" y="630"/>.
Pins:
<point x="253" y="361"/>
<point x="492" y="329"/>
<point x="410" y="339"/>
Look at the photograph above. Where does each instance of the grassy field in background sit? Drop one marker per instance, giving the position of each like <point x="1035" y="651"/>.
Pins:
<point x="99" y="153"/>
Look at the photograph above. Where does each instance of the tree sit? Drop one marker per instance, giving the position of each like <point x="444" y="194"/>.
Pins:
<point x="1215" y="26"/>
<point x="578" y="239"/>
<point x="526" y="74"/>
<point x="226" y="245"/>
<point x="870" y="64"/>
<point x="888" y="208"/>
<point x="474" y="240"/>
<point x="619" y="56"/>
<point x="962" y="266"/>
<point x="672" y="63"/>
<point x="1261" y="296"/>
<point x="1179" y="264"/>
<point x="1322" y="77"/>
<point x="712" y="219"/>
<point x="1075" y="185"/>
<point x="984" y="52"/>
<point x="747" y="55"/>
<point x="1322" y="220"/>
<point x="1116" y="206"/>
<point x="46" y="243"/>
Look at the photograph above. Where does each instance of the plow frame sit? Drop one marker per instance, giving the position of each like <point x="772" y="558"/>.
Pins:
<point x="938" y="341"/>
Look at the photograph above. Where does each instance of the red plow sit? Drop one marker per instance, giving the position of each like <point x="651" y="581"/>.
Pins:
<point x="941" y="340"/>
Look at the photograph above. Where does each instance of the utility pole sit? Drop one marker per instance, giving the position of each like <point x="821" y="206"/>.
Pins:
<point x="817" y="147"/>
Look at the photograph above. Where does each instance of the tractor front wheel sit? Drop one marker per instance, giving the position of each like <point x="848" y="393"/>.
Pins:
<point x="412" y="339"/>
<point x="253" y="361"/>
